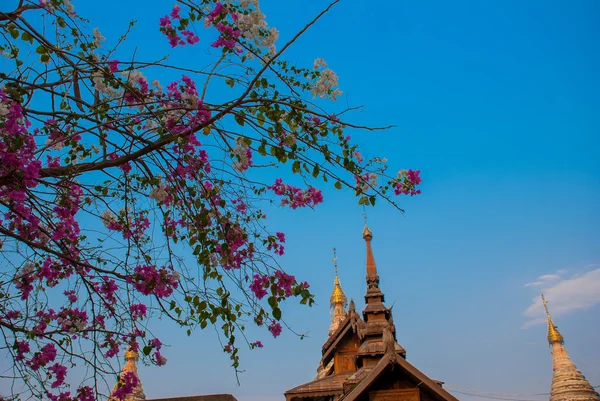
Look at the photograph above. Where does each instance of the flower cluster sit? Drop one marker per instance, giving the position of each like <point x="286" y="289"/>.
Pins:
<point x="138" y="311"/>
<point x="296" y="197"/>
<point x="177" y="36"/>
<point x="129" y="225"/>
<point x="407" y="182"/>
<point x="254" y="28"/>
<point x="326" y="85"/>
<point x="275" y="328"/>
<point x="156" y="344"/>
<point x="281" y="284"/>
<point x="149" y="280"/>
<point x="365" y="182"/>
<point x="275" y="243"/>
<point x="243" y="155"/>
<point x="259" y="285"/>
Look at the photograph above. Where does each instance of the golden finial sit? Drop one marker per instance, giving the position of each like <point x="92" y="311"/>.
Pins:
<point x="554" y="335"/>
<point x="337" y="296"/>
<point x="335" y="268"/>
<point x="367" y="234"/>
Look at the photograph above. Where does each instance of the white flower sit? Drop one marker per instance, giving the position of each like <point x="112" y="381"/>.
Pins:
<point x="4" y="109"/>
<point x="159" y="193"/>
<point x="319" y="63"/>
<point x="70" y="8"/>
<point x="55" y="145"/>
<point x="243" y="155"/>
<point x="176" y="276"/>
<point x="98" y="37"/>
<point x="108" y="217"/>
<point x="156" y="84"/>
<point x="324" y="86"/>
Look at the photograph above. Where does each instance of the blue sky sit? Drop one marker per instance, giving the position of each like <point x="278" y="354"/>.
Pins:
<point x="497" y="104"/>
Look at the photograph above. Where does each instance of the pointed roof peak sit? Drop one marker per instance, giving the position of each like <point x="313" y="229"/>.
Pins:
<point x="371" y="266"/>
<point x="554" y="335"/>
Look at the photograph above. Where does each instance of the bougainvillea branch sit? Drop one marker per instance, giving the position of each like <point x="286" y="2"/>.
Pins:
<point x="130" y="190"/>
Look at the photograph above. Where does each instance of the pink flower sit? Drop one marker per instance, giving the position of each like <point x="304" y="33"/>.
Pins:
<point x="256" y="344"/>
<point x="275" y="329"/>
<point x="190" y="37"/>
<point x="60" y="373"/>
<point x="46" y="355"/>
<point x="22" y="349"/>
<point x="113" y="65"/>
<point x="296" y="197"/>
<point x="138" y="311"/>
<point x="152" y="281"/>
<point x="175" y="12"/>
<point x="165" y="22"/>
<point x="71" y="296"/>
<point x="125" y="167"/>
<point x="259" y="285"/>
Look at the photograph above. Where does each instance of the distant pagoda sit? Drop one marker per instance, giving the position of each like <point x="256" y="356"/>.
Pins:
<point x="568" y="384"/>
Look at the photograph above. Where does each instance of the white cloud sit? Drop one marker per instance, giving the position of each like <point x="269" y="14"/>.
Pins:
<point x="546" y="280"/>
<point x="564" y="294"/>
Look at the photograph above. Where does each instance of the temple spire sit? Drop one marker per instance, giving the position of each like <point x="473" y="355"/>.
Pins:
<point x="338" y="300"/>
<point x="131" y="357"/>
<point x="374" y="294"/>
<point x="371" y="266"/>
<point x="568" y="384"/>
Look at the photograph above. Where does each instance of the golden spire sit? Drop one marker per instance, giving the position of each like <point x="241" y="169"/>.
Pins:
<point x="337" y="295"/>
<point x="131" y="357"/>
<point x="337" y="300"/>
<point x="554" y="335"/>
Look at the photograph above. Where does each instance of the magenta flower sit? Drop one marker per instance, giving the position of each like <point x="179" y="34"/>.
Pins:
<point x="113" y="65"/>
<point x="275" y="329"/>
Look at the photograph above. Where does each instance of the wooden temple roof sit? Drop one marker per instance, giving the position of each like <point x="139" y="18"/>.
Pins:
<point x="330" y="385"/>
<point x="368" y="378"/>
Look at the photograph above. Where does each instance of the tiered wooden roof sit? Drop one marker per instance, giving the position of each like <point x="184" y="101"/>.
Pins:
<point x="361" y="359"/>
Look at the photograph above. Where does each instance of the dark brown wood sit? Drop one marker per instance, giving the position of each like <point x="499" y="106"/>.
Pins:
<point x="395" y="395"/>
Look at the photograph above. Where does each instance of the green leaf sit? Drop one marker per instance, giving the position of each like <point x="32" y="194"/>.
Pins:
<point x="230" y="82"/>
<point x="296" y="167"/>
<point x="316" y="171"/>
<point x="239" y="118"/>
<point x="277" y="313"/>
<point x="338" y="185"/>
<point x="27" y="37"/>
